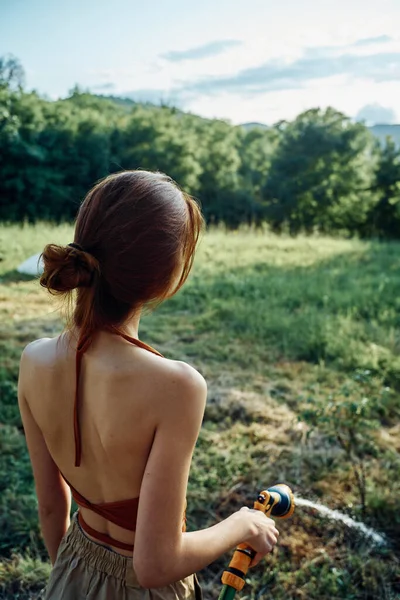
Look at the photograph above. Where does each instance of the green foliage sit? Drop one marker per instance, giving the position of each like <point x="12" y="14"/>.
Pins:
<point x="9" y="413"/>
<point x="18" y="505"/>
<point x="322" y="172"/>
<point x="350" y="416"/>
<point x="22" y="577"/>
<point x="384" y="217"/>
<point x="12" y="74"/>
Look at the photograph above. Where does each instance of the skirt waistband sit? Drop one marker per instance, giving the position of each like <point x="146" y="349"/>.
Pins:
<point x="97" y="556"/>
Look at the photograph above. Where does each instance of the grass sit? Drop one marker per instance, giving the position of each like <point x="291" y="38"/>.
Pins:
<point x="271" y="322"/>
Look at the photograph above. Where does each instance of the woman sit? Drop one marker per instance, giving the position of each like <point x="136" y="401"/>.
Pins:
<point x="110" y="419"/>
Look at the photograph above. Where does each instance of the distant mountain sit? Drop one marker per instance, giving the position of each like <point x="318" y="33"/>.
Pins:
<point x="379" y="131"/>
<point x="382" y="131"/>
<point x="254" y="125"/>
<point x="124" y="102"/>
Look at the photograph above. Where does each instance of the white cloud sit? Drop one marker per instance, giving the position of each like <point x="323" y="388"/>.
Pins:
<point x="274" y="76"/>
<point x="210" y="49"/>
<point x="348" y="97"/>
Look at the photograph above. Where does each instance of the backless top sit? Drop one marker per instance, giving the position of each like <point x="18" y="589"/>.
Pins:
<point x="122" y="512"/>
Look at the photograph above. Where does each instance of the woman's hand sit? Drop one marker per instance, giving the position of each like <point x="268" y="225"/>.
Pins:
<point x="263" y="533"/>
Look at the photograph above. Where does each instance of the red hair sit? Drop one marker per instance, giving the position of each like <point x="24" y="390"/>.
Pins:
<point x="138" y="232"/>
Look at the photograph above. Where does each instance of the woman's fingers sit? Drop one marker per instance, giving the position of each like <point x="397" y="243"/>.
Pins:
<point x="258" y="557"/>
<point x="264" y="534"/>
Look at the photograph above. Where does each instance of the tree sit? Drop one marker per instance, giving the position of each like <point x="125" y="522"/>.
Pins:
<point x="12" y="74"/>
<point x="320" y="176"/>
<point x="257" y="148"/>
<point x="384" y="217"/>
<point x="219" y="184"/>
<point x="320" y="172"/>
<point x="159" y="139"/>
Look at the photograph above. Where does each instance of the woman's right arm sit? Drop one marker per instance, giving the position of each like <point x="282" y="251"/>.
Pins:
<point x="162" y="553"/>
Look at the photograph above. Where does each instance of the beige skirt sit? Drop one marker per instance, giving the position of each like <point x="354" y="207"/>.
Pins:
<point x="90" y="571"/>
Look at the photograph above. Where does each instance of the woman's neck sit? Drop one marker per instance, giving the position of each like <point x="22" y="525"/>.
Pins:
<point x="131" y="326"/>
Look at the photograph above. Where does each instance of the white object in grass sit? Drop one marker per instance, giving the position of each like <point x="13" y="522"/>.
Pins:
<point x="31" y="266"/>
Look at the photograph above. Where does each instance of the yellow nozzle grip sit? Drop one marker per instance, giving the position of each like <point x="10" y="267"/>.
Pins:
<point x="243" y="555"/>
<point x="232" y="580"/>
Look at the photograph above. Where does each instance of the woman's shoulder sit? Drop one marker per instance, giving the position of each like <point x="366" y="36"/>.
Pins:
<point x="178" y="382"/>
<point x="184" y="375"/>
<point x="37" y="360"/>
<point x="41" y="350"/>
<point x="43" y="357"/>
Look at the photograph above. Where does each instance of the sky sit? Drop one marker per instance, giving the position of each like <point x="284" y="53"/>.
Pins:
<point x="239" y="60"/>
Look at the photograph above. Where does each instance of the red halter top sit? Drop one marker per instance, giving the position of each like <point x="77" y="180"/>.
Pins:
<point x="122" y="512"/>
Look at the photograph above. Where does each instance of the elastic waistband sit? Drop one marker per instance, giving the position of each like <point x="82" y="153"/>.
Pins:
<point x="97" y="556"/>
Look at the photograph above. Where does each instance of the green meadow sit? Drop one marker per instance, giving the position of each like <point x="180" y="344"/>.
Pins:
<point x="299" y="340"/>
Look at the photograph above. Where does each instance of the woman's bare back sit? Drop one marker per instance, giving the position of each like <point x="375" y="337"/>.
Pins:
<point x="120" y="391"/>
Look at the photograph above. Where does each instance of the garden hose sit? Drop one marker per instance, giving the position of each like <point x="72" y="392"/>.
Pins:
<point x="277" y="501"/>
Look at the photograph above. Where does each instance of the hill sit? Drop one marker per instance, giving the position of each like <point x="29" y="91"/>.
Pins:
<point x="380" y="131"/>
<point x="248" y="126"/>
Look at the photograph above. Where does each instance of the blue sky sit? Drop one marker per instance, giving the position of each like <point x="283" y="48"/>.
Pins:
<point x="253" y="60"/>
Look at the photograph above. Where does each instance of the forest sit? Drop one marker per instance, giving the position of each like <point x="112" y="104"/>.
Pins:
<point x="320" y="173"/>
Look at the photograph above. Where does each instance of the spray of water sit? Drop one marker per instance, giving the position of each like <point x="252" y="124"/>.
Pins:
<point x="376" y="537"/>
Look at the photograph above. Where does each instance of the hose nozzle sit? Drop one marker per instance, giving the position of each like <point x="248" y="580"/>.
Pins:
<point x="277" y="501"/>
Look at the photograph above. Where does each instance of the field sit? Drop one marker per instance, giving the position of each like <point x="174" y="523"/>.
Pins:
<point x="299" y="340"/>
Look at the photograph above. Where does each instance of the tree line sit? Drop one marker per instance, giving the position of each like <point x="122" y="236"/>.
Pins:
<point x="320" y="172"/>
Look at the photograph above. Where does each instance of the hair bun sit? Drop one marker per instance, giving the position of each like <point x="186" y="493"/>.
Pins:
<point x="67" y="268"/>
